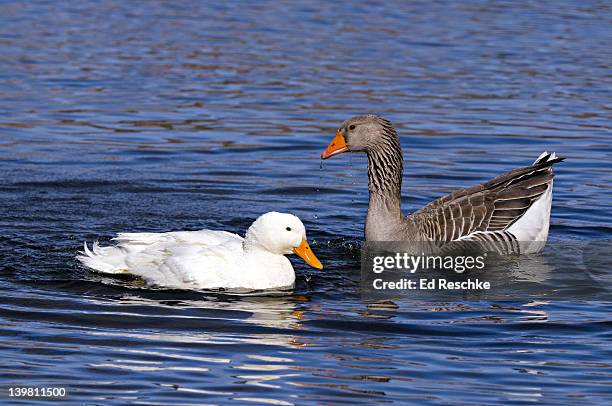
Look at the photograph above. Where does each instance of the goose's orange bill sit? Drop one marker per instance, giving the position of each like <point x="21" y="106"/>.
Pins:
<point x="335" y="147"/>
<point x="304" y="252"/>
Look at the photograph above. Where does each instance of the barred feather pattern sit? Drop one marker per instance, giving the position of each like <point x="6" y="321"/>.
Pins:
<point x="490" y="207"/>
<point x="482" y="213"/>
<point x="385" y="163"/>
<point x="500" y="242"/>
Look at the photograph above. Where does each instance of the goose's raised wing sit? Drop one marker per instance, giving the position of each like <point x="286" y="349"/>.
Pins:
<point x="490" y="207"/>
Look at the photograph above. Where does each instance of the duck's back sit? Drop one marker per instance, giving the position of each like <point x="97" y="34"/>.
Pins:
<point x="182" y="259"/>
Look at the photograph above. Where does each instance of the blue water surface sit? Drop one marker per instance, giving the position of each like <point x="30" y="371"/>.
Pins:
<point x="158" y="116"/>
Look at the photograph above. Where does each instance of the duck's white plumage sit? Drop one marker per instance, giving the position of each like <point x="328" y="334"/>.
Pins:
<point x="208" y="259"/>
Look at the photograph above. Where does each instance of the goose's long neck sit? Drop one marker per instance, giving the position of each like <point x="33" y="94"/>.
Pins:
<point x="385" y="171"/>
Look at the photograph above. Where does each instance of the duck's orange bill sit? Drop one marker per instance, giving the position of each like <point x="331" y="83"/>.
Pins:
<point x="304" y="252"/>
<point x="335" y="147"/>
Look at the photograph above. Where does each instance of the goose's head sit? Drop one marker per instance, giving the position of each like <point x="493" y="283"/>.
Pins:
<point x="281" y="233"/>
<point x="362" y="134"/>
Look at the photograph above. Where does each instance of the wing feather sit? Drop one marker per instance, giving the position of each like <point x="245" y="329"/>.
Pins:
<point x="492" y="206"/>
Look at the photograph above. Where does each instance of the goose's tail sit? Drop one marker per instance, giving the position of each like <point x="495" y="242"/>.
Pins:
<point x="532" y="227"/>
<point x="548" y="157"/>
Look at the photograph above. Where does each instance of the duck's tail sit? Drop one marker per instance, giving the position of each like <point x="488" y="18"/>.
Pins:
<point x="103" y="259"/>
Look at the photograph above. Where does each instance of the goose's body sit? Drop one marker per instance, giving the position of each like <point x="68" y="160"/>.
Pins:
<point x="209" y="259"/>
<point x="512" y="209"/>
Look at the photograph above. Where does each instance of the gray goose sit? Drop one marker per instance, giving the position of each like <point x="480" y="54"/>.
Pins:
<point x="513" y="208"/>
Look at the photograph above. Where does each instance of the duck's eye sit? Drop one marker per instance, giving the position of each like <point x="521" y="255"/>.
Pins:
<point x="352" y="127"/>
<point x="288" y="228"/>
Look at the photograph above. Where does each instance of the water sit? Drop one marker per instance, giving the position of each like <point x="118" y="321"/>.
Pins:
<point x="128" y="116"/>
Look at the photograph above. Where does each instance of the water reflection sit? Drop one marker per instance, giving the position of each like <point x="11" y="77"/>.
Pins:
<point x="149" y="116"/>
<point x="177" y="353"/>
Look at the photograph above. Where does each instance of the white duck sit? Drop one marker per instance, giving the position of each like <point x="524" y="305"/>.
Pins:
<point x="209" y="259"/>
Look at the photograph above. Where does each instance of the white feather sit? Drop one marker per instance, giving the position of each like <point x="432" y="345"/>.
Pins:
<point x="531" y="230"/>
<point x="206" y="259"/>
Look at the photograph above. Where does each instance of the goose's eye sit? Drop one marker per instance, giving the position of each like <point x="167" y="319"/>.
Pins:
<point x="352" y="127"/>
<point x="288" y="228"/>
